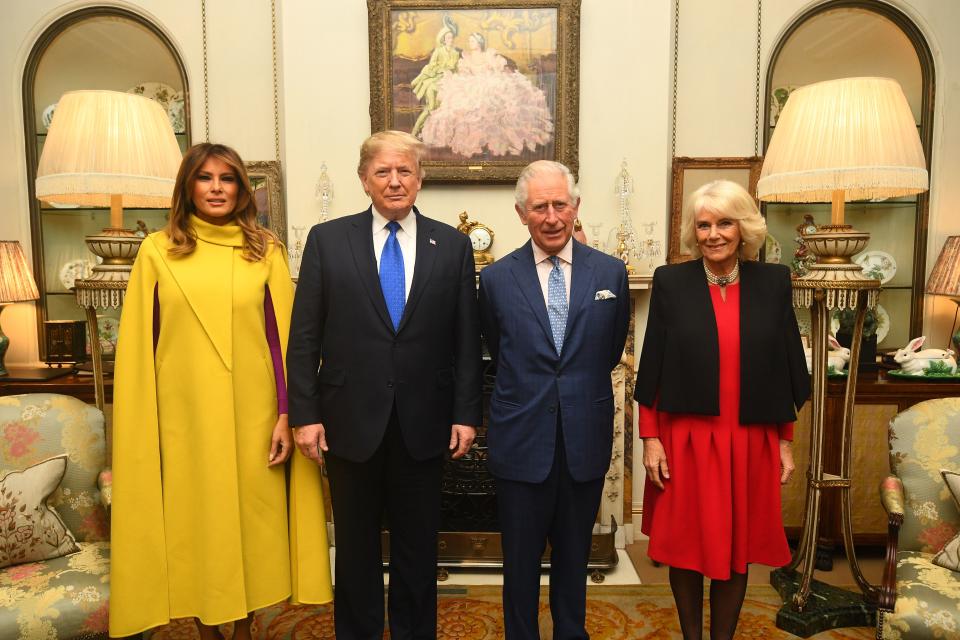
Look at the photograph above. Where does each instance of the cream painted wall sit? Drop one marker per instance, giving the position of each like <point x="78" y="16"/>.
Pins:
<point x="626" y="71"/>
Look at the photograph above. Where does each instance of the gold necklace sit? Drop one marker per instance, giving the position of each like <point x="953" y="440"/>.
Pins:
<point x="722" y="281"/>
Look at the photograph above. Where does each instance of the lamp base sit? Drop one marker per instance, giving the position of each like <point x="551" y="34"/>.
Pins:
<point x="828" y="607"/>
<point x="117" y="248"/>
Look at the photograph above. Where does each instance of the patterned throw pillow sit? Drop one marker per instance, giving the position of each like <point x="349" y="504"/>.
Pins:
<point x="30" y="530"/>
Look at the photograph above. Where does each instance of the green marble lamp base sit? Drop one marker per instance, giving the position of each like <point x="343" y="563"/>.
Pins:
<point x="827" y="608"/>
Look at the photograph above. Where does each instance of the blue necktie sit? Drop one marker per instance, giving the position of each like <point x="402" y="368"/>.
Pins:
<point x="557" y="303"/>
<point x="391" y="275"/>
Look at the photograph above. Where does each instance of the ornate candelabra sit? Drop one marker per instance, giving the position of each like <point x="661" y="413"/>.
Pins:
<point x="324" y="192"/>
<point x="623" y="241"/>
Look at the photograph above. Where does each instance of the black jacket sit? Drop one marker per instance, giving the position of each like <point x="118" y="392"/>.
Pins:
<point x="680" y="357"/>
<point x="429" y="369"/>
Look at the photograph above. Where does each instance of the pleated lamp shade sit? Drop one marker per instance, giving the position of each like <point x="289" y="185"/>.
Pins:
<point x="944" y="280"/>
<point x="16" y="283"/>
<point x="854" y="134"/>
<point x="105" y="143"/>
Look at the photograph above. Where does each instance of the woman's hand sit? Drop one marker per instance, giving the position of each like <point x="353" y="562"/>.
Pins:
<point x="786" y="461"/>
<point x="655" y="461"/>
<point x="281" y="444"/>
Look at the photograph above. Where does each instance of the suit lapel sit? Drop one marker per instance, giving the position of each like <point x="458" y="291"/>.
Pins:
<point x="361" y="246"/>
<point x="525" y="272"/>
<point x="581" y="279"/>
<point x="422" y="266"/>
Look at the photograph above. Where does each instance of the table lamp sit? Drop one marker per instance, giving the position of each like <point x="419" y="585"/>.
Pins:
<point x="944" y="280"/>
<point x="16" y="285"/>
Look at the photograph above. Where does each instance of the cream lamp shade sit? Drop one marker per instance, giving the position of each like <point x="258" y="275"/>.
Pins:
<point x="103" y="144"/>
<point x="857" y="135"/>
<point x="106" y="148"/>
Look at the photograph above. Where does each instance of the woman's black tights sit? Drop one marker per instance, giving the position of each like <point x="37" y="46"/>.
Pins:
<point x="726" y="598"/>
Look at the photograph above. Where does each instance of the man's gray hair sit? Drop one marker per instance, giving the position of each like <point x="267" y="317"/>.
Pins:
<point x="542" y="167"/>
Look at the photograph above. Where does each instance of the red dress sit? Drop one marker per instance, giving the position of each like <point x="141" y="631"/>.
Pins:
<point x="720" y="509"/>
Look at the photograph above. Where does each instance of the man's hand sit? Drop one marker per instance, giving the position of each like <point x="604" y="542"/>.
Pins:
<point x="655" y="461"/>
<point x="281" y="444"/>
<point x="786" y="461"/>
<point x="311" y="439"/>
<point x="461" y="437"/>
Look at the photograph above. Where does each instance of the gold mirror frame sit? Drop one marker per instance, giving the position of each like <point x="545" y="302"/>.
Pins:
<point x="567" y="102"/>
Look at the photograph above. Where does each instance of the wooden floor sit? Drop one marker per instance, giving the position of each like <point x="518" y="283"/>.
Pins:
<point x="870" y="560"/>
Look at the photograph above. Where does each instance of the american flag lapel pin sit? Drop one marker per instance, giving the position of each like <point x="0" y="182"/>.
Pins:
<point x="433" y="242"/>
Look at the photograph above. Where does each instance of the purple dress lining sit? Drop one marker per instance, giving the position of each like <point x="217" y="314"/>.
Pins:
<point x="273" y="341"/>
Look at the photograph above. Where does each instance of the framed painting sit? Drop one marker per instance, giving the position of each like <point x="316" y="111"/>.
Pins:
<point x="267" y="183"/>
<point x="489" y="86"/>
<point x="689" y="174"/>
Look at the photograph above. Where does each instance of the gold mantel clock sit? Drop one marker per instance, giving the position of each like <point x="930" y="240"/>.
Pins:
<point x="481" y="237"/>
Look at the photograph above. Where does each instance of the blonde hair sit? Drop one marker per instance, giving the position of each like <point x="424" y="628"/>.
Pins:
<point x="728" y="199"/>
<point x="391" y="140"/>
<point x="183" y="238"/>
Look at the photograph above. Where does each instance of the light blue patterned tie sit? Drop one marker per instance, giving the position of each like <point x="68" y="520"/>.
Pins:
<point x="557" y="303"/>
<point x="391" y="275"/>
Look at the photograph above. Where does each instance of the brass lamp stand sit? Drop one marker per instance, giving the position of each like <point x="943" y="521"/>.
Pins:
<point x="833" y="282"/>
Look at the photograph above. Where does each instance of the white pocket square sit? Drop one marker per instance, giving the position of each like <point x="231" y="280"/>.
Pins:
<point x="606" y="294"/>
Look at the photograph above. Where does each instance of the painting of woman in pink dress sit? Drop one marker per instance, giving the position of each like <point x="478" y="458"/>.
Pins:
<point x="486" y="106"/>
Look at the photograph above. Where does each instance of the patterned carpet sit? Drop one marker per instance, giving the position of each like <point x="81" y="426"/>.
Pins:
<point x="636" y="612"/>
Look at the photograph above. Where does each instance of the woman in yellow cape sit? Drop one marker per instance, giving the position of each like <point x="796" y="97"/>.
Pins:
<point x="203" y="523"/>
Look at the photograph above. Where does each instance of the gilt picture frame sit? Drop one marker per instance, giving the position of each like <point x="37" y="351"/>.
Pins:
<point x="689" y="174"/>
<point x="266" y="179"/>
<point x="488" y="85"/>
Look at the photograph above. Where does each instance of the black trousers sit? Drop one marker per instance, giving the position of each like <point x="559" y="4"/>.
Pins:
<point x="560" y="510"/>
<point x="407" y="491"/>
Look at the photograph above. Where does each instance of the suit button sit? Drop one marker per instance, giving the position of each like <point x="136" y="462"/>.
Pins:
<point x="389" y="384"/>
<point x="552" y="409"/>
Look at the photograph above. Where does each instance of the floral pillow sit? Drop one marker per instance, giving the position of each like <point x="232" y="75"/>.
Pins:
<point x="30" y="530"/>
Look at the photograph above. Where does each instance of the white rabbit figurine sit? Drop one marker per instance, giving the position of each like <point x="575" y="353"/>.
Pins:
<point x="916" y="362"/>
<point x="837" y="357"/>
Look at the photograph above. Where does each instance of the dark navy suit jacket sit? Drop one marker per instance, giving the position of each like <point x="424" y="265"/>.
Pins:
<point x="533" y="383"/>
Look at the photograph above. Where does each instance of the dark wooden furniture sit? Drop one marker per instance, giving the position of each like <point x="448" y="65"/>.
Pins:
<point x="879" y="398"/>
<point x="78" y="386"/>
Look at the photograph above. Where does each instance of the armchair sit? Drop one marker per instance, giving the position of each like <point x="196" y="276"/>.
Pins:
<point x="64" y="597"/>
<point x="919" y="599"/>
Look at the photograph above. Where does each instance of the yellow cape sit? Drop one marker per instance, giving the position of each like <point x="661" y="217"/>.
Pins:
<point x="200" y="525"/>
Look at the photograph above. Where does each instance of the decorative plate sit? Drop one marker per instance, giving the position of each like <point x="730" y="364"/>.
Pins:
<point x="903" y="375"/>
<point x="772" y="250"/>
<point x="883" y="323"/>
<point x="169" y="98"/>
<point x="75" y="270"/>
<point x="877" y="264"/>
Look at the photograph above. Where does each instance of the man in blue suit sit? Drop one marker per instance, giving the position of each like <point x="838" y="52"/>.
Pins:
<point x="555" y="315"/>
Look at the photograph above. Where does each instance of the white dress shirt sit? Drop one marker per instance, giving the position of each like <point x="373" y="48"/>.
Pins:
<point x="406" y="236"/>
<point x="542" y="259"/>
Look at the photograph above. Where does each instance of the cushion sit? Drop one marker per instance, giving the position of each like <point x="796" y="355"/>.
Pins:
<point x="61" y="598"/>
<point x="926" y="604"/>
<point x="30" y="530"/>
<point x="949" y="556"/>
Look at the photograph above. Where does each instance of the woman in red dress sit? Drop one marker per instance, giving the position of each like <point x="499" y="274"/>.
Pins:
<point x="721" y="375"/>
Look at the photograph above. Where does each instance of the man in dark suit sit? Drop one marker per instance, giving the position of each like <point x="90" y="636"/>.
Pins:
<point x="384" y="375"/>
<point x="555" y="314"/>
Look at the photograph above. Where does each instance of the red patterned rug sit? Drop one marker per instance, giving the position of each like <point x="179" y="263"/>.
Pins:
<point x="614" y="612"/>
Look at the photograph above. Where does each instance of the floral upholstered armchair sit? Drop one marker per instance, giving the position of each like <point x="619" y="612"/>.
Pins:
<point x="67" y="596"/>
<point x="919" y="599"/>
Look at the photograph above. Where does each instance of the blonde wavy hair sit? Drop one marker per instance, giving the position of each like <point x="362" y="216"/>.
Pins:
<point x="183" y="238"/>
<point x="730" y="200"/>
